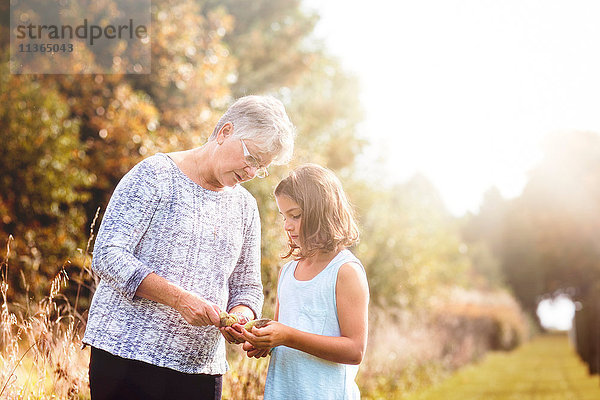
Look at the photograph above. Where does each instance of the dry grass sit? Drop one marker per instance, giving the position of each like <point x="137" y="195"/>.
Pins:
<point x="246" y="378"/>
<point x="409" y="351"/>
<point x="40" y="356"/>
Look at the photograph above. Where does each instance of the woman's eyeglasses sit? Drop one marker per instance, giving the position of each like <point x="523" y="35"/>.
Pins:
<point x="252" y="162"/>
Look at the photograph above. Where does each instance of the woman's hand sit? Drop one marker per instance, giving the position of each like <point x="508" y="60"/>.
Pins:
<point x="197" y="311"/>
<point x="233" y="334"/>
<point x="239" y="315"/>
<point x="273" y="335"/>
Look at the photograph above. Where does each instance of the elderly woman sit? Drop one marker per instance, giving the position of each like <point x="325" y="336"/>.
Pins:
<point x="179" y="242"/>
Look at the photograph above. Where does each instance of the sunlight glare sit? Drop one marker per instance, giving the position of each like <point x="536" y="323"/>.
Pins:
<point x="463" y="91"/>
<point x="557" y="313"/>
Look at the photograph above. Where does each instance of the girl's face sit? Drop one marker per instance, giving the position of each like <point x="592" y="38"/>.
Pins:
<point x="292" y="217"/>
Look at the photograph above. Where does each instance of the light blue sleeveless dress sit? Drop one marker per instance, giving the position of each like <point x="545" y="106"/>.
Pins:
<point x="310" y="306"/>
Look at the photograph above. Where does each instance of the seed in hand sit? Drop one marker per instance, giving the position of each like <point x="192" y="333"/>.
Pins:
<point x="228" y="319"/>
<point x="259" y="323"/>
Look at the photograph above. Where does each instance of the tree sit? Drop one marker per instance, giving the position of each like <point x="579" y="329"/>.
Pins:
<point x="547" y="238"/>
<point x="204" y="54"/>
<point x="411" y="247"/>
<point x="270" y="41"/>
<point x="43" y="184"/>
<point x="325" y="109"/>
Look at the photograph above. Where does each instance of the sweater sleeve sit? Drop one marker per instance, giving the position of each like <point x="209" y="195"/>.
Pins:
<point x="245" y="285"/>
<point x="127" y="217"/>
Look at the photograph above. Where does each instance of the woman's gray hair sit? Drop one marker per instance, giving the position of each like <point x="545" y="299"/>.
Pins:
<point x="263" y="120"/>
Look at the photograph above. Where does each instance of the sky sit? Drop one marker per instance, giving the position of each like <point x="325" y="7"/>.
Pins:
<point x="464" y="91"/>
<point x="557" y="313"/>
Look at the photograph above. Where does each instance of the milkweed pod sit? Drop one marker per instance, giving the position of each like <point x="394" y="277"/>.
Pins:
<point x="259" y="323"/>
<point x="228" y="319"/>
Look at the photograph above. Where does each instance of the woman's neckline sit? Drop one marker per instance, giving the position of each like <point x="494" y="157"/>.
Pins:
<point x="192" y="182"/>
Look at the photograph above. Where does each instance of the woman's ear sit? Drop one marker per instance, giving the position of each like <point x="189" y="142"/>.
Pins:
<point x="225" y="131"/>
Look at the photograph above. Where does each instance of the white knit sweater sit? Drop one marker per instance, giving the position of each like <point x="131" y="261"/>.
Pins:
<point x="158" y="220"/>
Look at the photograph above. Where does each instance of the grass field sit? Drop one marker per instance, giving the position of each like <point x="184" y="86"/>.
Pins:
<point x="546" y="368"/>
<point x="40" y="358"/>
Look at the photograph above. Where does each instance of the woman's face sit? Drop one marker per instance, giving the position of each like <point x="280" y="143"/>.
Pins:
<point x="292" y="217"/>
<point x="233" y="167"/>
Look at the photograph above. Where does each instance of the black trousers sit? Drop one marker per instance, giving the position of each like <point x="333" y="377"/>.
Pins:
<point x="113" y="378"/>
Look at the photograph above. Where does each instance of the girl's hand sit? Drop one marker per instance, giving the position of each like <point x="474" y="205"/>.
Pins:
<point x="273" y="335"/>
<point x="251" y="351"/>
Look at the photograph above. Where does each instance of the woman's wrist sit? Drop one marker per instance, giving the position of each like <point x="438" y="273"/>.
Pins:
<point x="178" y="297"/>
<point x="158" y="289"/>
<point x="244" y="311"/>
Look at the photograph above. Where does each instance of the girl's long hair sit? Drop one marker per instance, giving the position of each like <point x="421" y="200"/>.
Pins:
<point x="328" y="221"/>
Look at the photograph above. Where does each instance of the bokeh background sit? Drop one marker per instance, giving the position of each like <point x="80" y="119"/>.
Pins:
<point x="464" y="132"/>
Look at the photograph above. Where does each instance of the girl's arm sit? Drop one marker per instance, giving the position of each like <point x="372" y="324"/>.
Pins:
<point x="352" y="296"/>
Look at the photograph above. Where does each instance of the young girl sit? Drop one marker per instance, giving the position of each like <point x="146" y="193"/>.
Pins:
<point x="319" y="334"/>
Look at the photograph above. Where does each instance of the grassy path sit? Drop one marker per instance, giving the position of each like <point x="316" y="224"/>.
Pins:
<point x="546" y="368"/>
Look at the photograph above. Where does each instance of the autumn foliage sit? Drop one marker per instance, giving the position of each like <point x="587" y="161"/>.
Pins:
<point x="444" y="290"/>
